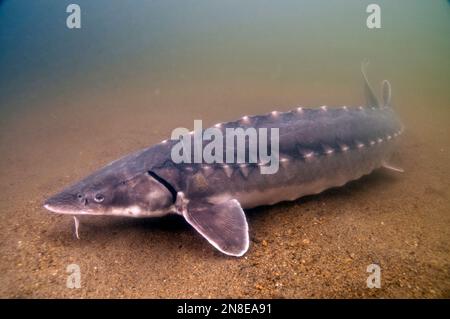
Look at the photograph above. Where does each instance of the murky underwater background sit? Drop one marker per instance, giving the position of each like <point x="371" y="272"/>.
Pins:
<point x="73" y="100"/>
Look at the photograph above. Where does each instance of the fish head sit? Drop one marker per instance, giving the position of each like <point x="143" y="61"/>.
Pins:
<point x="107" y="193"/>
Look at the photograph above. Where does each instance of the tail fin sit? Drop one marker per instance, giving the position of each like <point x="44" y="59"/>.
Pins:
<point x="371" y="98"/>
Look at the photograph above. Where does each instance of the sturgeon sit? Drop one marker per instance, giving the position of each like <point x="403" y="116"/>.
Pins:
<point x="319" y="148"/>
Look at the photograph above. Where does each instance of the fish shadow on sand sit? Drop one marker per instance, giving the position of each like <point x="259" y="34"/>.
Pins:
<point x="103" y="227"/>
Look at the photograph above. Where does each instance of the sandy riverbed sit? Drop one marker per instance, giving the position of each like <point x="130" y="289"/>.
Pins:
<point x="318" y="246"/>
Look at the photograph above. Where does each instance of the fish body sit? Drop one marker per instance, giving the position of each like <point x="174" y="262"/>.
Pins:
<point x="319" y="148"/>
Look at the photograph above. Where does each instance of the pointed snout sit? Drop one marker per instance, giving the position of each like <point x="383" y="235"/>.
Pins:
<point x="54" y="205"/>
<point x="62" y="203"/>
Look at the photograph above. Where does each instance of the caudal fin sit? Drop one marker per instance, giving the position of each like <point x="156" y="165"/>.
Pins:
<point x="371" y="98"/>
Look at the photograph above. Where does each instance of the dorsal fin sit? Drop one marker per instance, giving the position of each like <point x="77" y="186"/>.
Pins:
<point x="371" y="99"/>
<point x="386" y="91"/>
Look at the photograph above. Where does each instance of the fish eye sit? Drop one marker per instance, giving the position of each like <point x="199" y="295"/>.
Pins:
<point x="99" y="198"/>
<point x="80" y="196"/>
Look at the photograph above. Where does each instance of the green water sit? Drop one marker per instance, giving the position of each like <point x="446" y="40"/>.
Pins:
<point x="291" y="51"/>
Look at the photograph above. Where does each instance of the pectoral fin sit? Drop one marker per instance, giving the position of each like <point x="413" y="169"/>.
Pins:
<point x="224" y="225"/>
